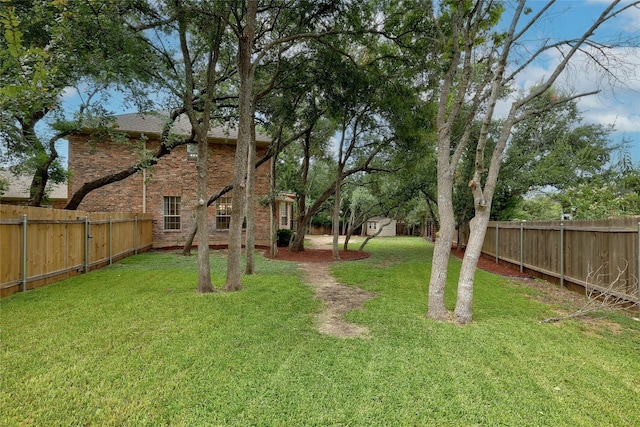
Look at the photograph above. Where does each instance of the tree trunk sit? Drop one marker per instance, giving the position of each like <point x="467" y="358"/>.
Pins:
<point x="39" y="184"/>
<point x="336" y="218"/>
<point x="273" y="238"/>
<point x="376" y="234"/>
<point x="200" y="127"/>
<point x="298" y="241"/>
<point x="440" y="263"/>
<point x="250" y="245"/>
<point x="245" y="120"/>
<point x="349" y="231"/>
<point x="204" y="266"/>
<point x="464" y="305"/>
<point x="303" y="222"/>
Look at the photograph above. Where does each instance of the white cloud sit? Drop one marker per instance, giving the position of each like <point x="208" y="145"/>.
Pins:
<point x="68" y="93"/>
<point x="619" y="97"/>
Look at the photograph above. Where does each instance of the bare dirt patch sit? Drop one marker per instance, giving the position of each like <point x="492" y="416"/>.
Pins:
<point x="338" y="300"/>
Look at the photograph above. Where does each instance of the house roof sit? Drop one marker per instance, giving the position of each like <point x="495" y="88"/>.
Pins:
<point x="151" y="125"/>
<point x="286" y="197"/>
<point x="19" y="187"/>
<point x="380" y="218"/>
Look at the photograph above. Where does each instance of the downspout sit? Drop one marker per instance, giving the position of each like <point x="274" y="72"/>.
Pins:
<point x="144" y="183"/>
<point x="144" y="191"/>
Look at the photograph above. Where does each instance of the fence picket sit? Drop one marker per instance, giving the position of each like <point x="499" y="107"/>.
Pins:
<point x="39" y="246"/>
<point x="567" y="251"/>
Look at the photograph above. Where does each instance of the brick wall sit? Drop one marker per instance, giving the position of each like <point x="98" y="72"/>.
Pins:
<point x="174" y="175"/>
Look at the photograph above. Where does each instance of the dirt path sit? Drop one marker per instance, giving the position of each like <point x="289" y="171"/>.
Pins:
<point x="338" y="299"/>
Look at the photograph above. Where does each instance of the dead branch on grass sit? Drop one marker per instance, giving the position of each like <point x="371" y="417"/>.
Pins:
<point x="605" y="292"/>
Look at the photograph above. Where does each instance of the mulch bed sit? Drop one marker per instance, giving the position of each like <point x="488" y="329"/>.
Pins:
<point x="326" y="255"/>
<point x="489" y="264"/>
<point x="315" y="255"/>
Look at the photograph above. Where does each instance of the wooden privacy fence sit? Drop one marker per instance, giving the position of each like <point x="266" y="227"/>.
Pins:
<point x="568" y="252"/>
<point x="39" y="246"/>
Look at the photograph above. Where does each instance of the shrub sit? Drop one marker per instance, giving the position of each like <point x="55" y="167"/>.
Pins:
<point x="284" y="237"/>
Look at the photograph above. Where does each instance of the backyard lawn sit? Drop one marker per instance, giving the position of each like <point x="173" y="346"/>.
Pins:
<point x="133" y="344"/>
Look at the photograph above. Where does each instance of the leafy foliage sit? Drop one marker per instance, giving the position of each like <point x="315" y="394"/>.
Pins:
<point x="552" y="149"/>
<point x="49" y="49"/>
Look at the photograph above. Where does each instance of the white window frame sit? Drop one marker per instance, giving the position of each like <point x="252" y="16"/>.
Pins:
<point x="223" y="212"/>
<point x="284" y="215"/>
<point x="172" y="215"/>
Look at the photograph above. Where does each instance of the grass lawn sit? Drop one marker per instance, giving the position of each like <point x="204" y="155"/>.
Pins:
<point x="134" y="344"/>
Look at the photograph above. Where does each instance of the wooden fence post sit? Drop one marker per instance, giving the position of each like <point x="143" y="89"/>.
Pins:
<point x="521" y="246"/>
<point x="561" y="254"/>
<point x="24" y="253"/>
<point x="86" y="244"/>
<point x="110" y="240"/>
<point x="497" y="229"/>
<point x="135" y="235"/>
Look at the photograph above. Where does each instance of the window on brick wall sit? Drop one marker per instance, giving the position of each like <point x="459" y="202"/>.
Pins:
<point x="172" y="213"/>
<point x="223" y="213"/>
<point x="284" y="217"/>
<point x="192" y="152"/>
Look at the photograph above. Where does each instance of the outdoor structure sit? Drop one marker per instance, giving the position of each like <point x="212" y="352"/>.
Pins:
<point x="284" y="207"/>
<point x="17" y="192"/>
<point x="388" y="226"/>
<point x="168" y="189"/>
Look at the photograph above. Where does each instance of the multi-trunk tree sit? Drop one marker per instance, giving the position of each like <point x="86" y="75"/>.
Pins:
<point x="479" y="67"/>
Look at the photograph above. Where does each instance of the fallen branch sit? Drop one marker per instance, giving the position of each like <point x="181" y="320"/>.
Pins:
<point x="604" y="293"/>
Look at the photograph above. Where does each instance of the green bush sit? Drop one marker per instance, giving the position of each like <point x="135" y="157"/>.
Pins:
<point x="284" y="237"/>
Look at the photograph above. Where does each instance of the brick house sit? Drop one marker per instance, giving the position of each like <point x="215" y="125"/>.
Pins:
<point x="168" y="189"/>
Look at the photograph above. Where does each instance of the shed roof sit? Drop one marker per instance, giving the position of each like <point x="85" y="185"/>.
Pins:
<point x="380" y="218"/>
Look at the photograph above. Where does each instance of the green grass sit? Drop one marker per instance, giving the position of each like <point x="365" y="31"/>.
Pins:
<point x="134" y="344"/>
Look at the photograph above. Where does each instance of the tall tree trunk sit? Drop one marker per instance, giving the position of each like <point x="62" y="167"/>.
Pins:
<point x="440" y="263"/>
<point x="39" y="185"/>
<point x="245" y="110"/>
<point x="273" y="206"/>
<point x="201" y="128"/>
<point x="301" y="200"/>
<point x="336" y="218"/>
<point x="303" y="221"/>
<point x="250" y="245"/>
<point x="464" y="304"/>
<point x="204" y="266"/>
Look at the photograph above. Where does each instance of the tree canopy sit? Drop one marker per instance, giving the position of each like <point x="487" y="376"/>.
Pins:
<point x="406" y="91"/>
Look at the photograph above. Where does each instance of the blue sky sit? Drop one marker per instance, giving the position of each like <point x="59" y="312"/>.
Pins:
<point x="618" y="102"/>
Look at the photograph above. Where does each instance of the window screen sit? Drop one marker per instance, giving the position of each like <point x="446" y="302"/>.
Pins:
<point x="172" y="213"/>
<point x="223" y="213"/>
